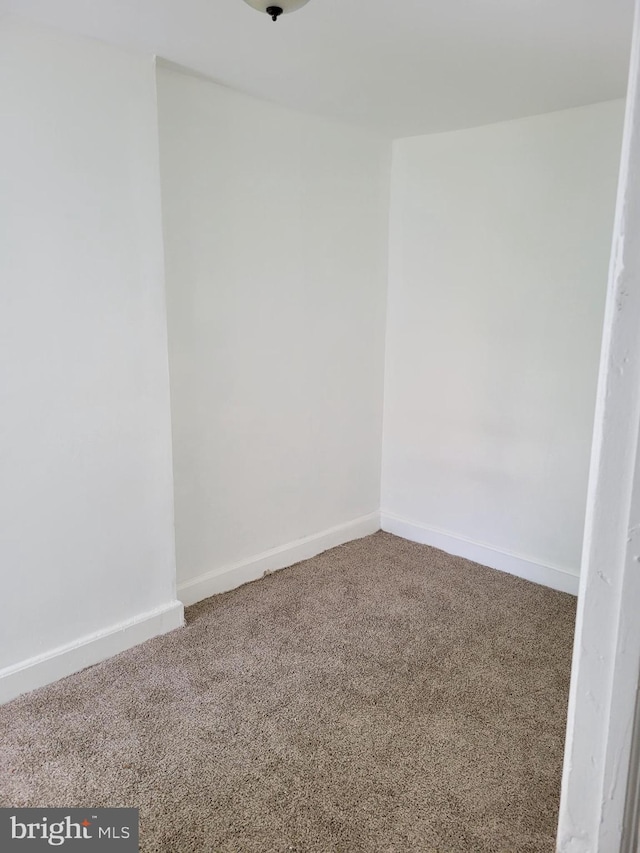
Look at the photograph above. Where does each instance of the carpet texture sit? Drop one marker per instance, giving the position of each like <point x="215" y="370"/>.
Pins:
<point x="382" y="697"/>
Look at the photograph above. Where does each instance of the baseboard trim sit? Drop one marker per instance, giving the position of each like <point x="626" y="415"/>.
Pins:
<point x="94" y="648"/>
<point x="514" y="564"/>
<point x="231" y="576"/>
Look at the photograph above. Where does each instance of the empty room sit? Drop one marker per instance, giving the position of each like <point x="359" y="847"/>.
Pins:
<point x="319" y="418"/>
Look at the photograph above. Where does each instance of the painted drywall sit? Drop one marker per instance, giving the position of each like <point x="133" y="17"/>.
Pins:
<point x="499" y="246"/>
<point x="276" y="251"/>
<point x="86" y="508"/>
<point x="275" y="229"/>
<point x="601" y="781"/>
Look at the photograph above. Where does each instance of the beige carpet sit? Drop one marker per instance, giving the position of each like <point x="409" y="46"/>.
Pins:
<point x="382" y="697"/>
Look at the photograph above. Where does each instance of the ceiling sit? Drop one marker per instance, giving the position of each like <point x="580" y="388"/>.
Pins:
<point x="400" y="67"/>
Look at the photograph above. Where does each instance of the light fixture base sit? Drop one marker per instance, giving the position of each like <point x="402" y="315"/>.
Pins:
<point x="276" y="8"/>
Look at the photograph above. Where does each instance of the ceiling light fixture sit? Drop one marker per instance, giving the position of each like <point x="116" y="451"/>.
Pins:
<point x="274" y="11"/>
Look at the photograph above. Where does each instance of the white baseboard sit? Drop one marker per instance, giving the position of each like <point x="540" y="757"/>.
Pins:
<point x="65" y="660"/>
<point x="563" y="580"/>
<point x="232" y="576"/>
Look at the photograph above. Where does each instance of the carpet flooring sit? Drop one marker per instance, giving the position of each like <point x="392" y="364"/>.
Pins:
<point x="383" y="697"/>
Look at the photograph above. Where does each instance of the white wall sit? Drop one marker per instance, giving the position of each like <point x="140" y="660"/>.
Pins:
<point x="275" y="248"/>
<point x="276" y="252"/>
<point x="500" y="240"/>
<point x="85" y="468"/>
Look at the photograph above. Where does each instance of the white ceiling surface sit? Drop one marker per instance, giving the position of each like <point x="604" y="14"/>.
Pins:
<point x="400" y="67"/>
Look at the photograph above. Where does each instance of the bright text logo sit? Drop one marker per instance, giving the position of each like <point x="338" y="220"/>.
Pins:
<point x="73" y="829"/>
